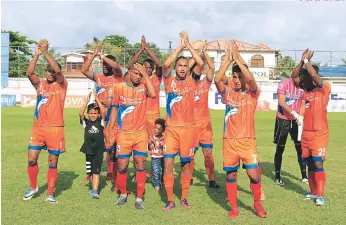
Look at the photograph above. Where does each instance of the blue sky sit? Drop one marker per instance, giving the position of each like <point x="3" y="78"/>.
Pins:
<point x="280" y="25"/>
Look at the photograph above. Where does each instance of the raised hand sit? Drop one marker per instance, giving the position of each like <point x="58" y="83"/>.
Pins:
<point x="43" y="45"/>
<point x="305" y="54"/>
<point x="140" y="68"/>
<point x="310" y="54"/>
<point x="38" y="51"/>
<point x="88" y="96"/>
<point x="235" y="53"/>
<point x="144" y="43"/>
<point x="184" y="37"/>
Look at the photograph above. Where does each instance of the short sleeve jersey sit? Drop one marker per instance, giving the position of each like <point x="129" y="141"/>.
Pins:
<point x="131" y="106"/>
<point x="201" y="99"/>
<point x="240" y="112"/>
<point x="179" y="101"/>
<point x="316" y="102"/>
<point x="293" y="96"/>
<point x="93" y="136"/>
<point x="49" y="110"/>
<point x="153" y="104"/>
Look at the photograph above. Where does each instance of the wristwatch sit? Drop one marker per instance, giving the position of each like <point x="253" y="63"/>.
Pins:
<point x="306" y="61"/>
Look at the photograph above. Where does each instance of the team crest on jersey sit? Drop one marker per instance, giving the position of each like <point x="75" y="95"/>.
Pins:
<point x="118" y="148"/>
<point x="123" y="111"/>
<point x="229" y="112"/>
<point x="307" y="104"/>
<point x="172" y="99"/>
<point x="197" y="98"/>
<point x="41" y="100"/>
<point x="100" y="90"/>
<point x="30" y="139"/>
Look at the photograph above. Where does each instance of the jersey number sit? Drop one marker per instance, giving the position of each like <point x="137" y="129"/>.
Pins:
<point x="322" y="151"/>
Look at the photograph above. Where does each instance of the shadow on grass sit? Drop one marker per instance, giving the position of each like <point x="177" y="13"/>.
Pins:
<point x="219" y="195"/>
<point x="267" y="170"/>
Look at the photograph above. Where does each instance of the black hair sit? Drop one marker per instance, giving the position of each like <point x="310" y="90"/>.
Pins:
<point x="93" y="106"/>
<point x="112" y="57"/>
<point x="49" y="67"/>
<point x="161" y="122"/>
<point x="237" y="69"/>
<point x="150" y="61"/>
<point x="180" y="57"/>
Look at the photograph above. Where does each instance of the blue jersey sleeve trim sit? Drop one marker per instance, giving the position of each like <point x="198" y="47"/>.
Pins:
<point x="124" y="156"/>
<point x="208" y="79"/>
<point x="317" y="159"/>
<point x="56" y="152"/>
<point x="171" y="156"/>
<point x="322" y="83"/>
<point x="185" y="159"/>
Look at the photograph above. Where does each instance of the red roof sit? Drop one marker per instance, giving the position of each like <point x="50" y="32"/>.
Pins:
<point x="221" y="45"/>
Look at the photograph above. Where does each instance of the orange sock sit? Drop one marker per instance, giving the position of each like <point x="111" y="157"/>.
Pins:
<point x="312" y="182"/>
<point x="232" y="189"/>
<point x="52" y="176"/>
<point x="169" y="182"/>
<point x="141" y="176"/>
<point x="122" y="181"/>
<point x="209" y="166"/>
<point x="320" y="178"/>
<point x="33" y="171"/>
<point x="256" y="189"/>
<point x="185" y="186"/>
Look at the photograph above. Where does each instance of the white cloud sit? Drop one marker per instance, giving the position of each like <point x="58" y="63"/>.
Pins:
<point x="280" y="25"/>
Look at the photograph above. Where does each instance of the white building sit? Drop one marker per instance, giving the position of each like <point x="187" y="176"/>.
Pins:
<point x="261" y="59"/>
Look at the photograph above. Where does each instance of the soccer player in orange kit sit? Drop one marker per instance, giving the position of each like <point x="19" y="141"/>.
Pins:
<point x="48" y="127"/>
<point x="239" y="139"/>
<point x="130" y="99"/>
<point x="180" y="120"/>
<point x="204" y="130"/>
<point x="315" y="134"/>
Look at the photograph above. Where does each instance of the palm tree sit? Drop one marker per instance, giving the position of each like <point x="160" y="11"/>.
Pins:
<point x="343" y="61"/>
<point x="284" y="66"/>
<point x="42" y="63"/>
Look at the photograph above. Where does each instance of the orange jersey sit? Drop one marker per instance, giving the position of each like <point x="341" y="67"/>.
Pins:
<point x="103" y="82"/>
<point x="49" y="111"/>
<point x="201" y="99"/>
<point x="179" y="101"/>
<point x="153" y="104"/>
<point x="240" y="112"/>
<point x="316" y="102"/>
<point x="131" y="106"/>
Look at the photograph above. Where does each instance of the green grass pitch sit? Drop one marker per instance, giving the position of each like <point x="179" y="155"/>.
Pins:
<point x="284" y="205"/>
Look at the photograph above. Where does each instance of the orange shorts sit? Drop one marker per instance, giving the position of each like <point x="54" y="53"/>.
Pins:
<point x="315" y="144"/>
<point x="204" y="134"/>
<point x="180" y="140"/>
<point x="108" y="139"/>
<point x="51" y="138"/>
<point x="151" y="123"/>
<point x="132" y="142"/>
<point x="243" y="149"/>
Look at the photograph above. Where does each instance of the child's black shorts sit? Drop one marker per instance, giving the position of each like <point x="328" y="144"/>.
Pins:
<point x="93" y="163"/>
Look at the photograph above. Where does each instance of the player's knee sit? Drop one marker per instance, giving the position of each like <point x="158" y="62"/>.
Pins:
<point x="280" y="149"/>
<point x="32" y="162"/>
<point x="318" y="166"/>
<point x="122" y="170"/>
<point x="232" y="175"/>
<point x="207" y="152"/>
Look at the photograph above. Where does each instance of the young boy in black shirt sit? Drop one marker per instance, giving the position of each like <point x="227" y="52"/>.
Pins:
<point x="94" y="144"/>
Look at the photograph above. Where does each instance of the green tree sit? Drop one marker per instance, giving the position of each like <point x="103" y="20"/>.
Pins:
<point x="132" y="52"/>
<point x="19" y="53"/>
<point x="284" y="66"/>
<point x="42" y="63"/>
